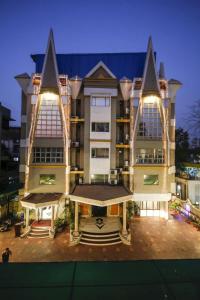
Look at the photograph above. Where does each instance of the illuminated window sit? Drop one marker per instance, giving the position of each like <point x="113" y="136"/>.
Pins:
<point x="99" y="178"/>
<point x="151" y="180"/>
<point x="47" y="155"/>
<point x="150" y="121"/>
<point x="49" y="118"/>
<point x="47" y="179"/>
<point x="100" y="153"/>
<point x="100" y="127"/>
<point x="149" y="156"/>
<point x="100" y="101"/>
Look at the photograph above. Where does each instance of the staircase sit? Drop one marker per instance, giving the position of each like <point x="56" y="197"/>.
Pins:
<point x="100" y="239"/>
<point x="39" y="232"/>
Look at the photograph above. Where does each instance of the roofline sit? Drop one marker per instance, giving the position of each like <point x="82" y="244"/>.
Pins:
<point x="94" y="53"/>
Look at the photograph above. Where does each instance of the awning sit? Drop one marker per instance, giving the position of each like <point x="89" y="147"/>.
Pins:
<point x="41" y="200"/>
<point x="100" y="195"/>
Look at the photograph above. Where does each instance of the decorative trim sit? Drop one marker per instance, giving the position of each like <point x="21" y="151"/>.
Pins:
<point x="152" y="197"/>
<point x="100" y="140"/>
<point x="101" y="203"/>
<point x="47" y="166"/>
<point x="100" y="64"/>
<point x="100" y="92"/>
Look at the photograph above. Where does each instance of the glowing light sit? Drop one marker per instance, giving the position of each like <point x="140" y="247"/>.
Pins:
<point x="151" y="99"/>
<point x="187" y="207"/>
<point x="49" y="96"/>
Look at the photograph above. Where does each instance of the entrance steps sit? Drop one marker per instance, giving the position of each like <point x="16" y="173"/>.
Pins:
<point x="39" y="232"/>
<point x="100" y="239"/>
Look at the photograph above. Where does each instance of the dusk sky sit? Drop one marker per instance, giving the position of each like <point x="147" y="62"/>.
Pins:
<point x="101" y="26"/>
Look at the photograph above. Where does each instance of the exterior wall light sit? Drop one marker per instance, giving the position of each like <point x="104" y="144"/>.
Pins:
<point x="126" y="86"/>
<point x="49" y="96"/>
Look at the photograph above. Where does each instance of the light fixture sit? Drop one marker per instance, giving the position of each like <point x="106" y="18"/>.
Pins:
<point x="125" y="85"/>
<point x="151" y="99"/>
<point x="75" y="83"/>
<point x="49" y="96"/>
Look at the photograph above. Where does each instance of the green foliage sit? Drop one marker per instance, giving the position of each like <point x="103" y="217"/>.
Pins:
<point x="71" y="215"/>
<point x="136" y="209"/>
<point x="182" y="146"/>
<point x="175" y="205"/>
<point x="130" y="209"/>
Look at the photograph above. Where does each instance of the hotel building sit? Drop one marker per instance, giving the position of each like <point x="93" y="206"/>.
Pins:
<point x="98" y="132"/>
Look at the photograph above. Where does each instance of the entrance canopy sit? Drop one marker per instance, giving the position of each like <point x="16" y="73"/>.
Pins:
<point x="100" y="195"/>
<point x="40" y="200"/>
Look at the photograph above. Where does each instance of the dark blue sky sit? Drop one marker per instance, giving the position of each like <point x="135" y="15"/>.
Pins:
<point x="101" y="26"/>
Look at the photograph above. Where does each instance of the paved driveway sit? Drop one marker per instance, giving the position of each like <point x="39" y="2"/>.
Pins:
<point x="153" y="238"/>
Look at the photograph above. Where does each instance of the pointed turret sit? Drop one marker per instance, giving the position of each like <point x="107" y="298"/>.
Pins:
<point x="150" y="84"/>
<point x="162" y="71"/>
<point x="50" y="68"/>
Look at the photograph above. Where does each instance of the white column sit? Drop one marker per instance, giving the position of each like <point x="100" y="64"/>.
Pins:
<point x="76" y="233"/>
<point x="27" y="216"/>
<point x="166" y="210"/>
<point x="37" y="214"/>
<point x="124" y="230"/>
<point x="52" y="216"/>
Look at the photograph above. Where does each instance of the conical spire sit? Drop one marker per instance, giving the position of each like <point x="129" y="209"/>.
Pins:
<point x="162" y="71"/>
<point x="50" y="68"/>
<point x="150" y="81"/>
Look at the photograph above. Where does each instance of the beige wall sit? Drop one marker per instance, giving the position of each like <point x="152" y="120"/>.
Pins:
<point x="35" y="187"/>
<point x="164" y="181"/>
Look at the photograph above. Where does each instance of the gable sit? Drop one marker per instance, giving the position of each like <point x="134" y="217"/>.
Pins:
<point x="101" y="73"/>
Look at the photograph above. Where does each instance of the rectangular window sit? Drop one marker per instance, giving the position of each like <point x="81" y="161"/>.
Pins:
<point x="47" y="155"/>
<point x="150" y="122"/>
<point x="100" y="127"/>
<point x="100" y="153"/>
<point x="149" y="156"/>
<point x="151" y="180"/>
<point x="100" y="101"/>
<point x="49" y="119"/>
<point x="47" y="179"/>
<point x="99" y="178"/>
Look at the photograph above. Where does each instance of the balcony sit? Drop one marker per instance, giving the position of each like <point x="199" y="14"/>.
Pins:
<point x="149" y="160"/>
<point x="123" y="144"/>
<point x="123" y="118"/>
<point x="76" y="119"/>
<point x="76" y="170"/>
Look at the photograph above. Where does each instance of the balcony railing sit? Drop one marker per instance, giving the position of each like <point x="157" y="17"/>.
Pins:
<point x="149" y="159"/>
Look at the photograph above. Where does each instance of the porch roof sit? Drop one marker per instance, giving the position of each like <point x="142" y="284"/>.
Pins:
<point x="40" y="199"/>
<point x="100" y="194"/>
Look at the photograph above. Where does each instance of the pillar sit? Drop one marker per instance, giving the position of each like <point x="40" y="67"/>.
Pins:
<point x="37" y="214"/>
<point x="52" y="216"/>
<point x="27" y="217"/>
<point x="124" y="230"/>
<point x="76" y="233"/>
<point x="166" y="210"/>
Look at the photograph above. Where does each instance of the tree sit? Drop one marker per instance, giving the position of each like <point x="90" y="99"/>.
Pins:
<point x="193" y="120"/>
<point x="182" y="146"/>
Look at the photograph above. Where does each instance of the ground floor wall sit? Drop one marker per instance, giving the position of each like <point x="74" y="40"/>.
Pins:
<point x="153" y="209"/>
<point x="87" y="210"/>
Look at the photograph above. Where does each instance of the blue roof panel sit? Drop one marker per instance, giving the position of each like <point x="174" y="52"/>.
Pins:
<point x="130" y="65"/>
